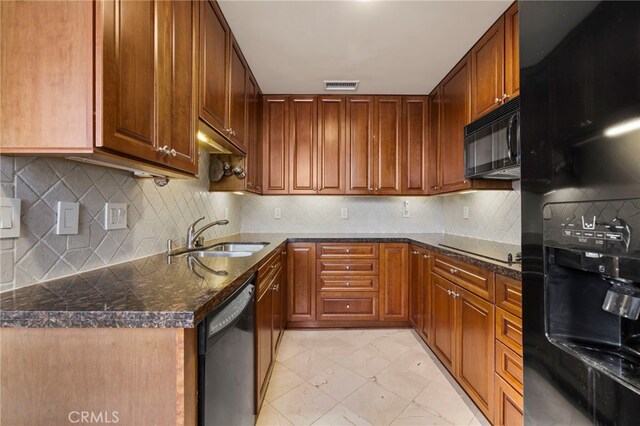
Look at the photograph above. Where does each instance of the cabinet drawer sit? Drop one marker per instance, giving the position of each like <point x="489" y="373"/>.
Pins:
<point x="340" y="283"/>
<point x="347" y="267"/>
<point x="509" y="366"/>
<point x="348" y="250"/>
<point x="348" y="306"/>
<point x="509" y="295"/>
<point x="509" y="330"/>
<point x="267" y="271"/>
<point x="470" y="277"/>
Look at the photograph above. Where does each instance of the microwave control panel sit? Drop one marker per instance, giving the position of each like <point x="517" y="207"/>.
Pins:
<point x="603" y="226"/>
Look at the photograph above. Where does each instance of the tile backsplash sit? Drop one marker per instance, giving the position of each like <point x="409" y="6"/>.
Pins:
<point x="154" y="215"/>
<point x="157" y="214"/>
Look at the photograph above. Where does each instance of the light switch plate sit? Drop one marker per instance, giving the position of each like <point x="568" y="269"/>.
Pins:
<point x="465" y="212"/>
<point x="405" y="209"/>
<point x="277" y="213"/>
<point x="344" y="213"/>
<point x="115" y="216"/>
<point x="9" y="217"/>
<point x="68" y="218"/>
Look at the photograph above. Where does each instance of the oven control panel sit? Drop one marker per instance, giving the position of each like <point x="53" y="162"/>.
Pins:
<point x="603" y="226"/>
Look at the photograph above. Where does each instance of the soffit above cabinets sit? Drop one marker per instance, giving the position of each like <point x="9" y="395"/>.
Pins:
<point x="400" y="47"/>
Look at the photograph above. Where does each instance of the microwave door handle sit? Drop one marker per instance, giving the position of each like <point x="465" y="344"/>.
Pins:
<point x="509" y="148"/>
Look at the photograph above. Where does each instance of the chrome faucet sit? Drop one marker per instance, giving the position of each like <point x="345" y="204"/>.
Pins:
<point x="193" y="237"/>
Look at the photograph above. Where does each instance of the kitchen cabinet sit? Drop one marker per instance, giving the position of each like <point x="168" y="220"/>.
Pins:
<point x="360" y="144"/>
<point x="301" y="282"/>
<point x="419" y="291"/>
<point x="495" y="65"/>
<point x="141" y="94"/>
<point x="253" y="181"/>
<point x="269" y="318"/>
<point x="303" y="141"/>
<point x="332" y="111"/>
<point x="394" y="282"/>
<point x="387" y="145"/>
<point x="215" y="41"/>
<point x="275" y="143"/>
<point x="238" y="76"/>
<point x="509" y="405"/>
<point x="512" y="51"/>
<point x="443" y="315"/>
<point x="475" y="348"/>
<point x="415" y="118"/>
<point x="488" y="71"/>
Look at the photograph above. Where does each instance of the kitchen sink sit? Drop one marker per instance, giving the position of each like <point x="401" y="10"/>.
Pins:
<point x="230" y="250"/>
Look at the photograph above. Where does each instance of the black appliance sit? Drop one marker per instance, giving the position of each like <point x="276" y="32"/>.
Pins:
<point x="492" y="144"/>
<point x="580" y="111"/>
<point x="226" y="379"/>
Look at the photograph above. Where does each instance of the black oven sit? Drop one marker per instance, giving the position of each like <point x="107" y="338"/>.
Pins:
<point x="492" y="144"/>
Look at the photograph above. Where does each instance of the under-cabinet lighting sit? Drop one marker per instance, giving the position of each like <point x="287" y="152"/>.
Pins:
<point x="622" y="128"/>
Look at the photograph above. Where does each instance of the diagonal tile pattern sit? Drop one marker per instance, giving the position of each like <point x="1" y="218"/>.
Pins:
<point x="375" y="377"/>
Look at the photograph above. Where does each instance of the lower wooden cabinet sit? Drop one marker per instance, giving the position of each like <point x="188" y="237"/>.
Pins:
<point x="301" y="282"/>
<point x="394" y="282"/>
<point x="419" y="300"/>
<point x="348" y="306"/>
<point x="508" y="405"/>
<point x="264" y="343"/>
<point x="475" y="348"/>
<point x="443" y="315"/>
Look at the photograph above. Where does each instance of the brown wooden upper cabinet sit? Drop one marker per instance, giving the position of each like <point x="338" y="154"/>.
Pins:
<point x="253" y="181"/>
<point x="142" y="93"/>
<point x="332" y="112"/>
<point x="387" y="145"/>
<point x="275" y="144"/>
<point x="303" y="145"/>
<point x="359" y="144"/>
<point x="495" y="65"/>
<point x="415" y="118"/>
<point x="224" y="77"/>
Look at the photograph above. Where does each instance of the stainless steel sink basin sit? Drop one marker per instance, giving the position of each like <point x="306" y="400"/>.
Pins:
<point x="230" y="250"/>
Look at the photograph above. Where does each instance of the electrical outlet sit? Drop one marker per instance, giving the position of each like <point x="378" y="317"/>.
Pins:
<point x="115" y="216"/>
<point x="405" y="209"/>
<point x="277" y="213"/>
<point x="68" y="218"/>
<point x="344" y="213"/>
<point x="465" y="212"/>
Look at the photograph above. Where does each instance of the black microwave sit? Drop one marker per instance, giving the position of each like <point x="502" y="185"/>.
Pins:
<point x="492" y="144"/>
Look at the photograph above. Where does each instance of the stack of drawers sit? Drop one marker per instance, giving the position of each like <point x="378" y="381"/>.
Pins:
<point x="508" y="380"/>
<point x="347" y="281"/>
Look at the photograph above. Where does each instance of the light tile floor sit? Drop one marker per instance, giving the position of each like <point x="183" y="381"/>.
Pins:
<point x="362" y="377"/>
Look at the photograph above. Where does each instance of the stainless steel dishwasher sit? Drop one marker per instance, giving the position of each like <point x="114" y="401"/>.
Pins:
<point x="226" y="377"/>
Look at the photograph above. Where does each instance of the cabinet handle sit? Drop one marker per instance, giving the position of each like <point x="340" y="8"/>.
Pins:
<point x="504" y="97"/>
<point x="453" y="271"/>
<point x="173" y="152"/>
<point x="284" y="252"/>
<point x="435" y="187"/>
<point x="272" y="266"/>
<point x="426" y="256"/>
<point x="497" y="100"/>
<point x="414" y="252"/>
<point x="370" y="189"/>
<point x="348" y="284"/>
<point x="165" y="150"/>
<point x="348" y="307"/>
<point x="375" y="189"/>
<point x="348" y="251"/>
<point x="449" y="292"/>
<point x="348" y="267"/>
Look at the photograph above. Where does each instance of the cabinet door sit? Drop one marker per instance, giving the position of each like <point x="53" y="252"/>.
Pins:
<point x="182" y="45"/>
<point x="416" y="299"/>
<point x="303" y="144"/>
<point x="264" y="339"/>
<point x="425" y="330"/>
<point x="359" y="144"/>
<point x="443" y="314"/>
<point x="454" y="92"/>
<point x="215" y="39"/>
<point x="394" y="282"/>
<point x="387" y="145"/>
<point x="278" y="308"/>
<point x="301" y="282"/>
<point x="253" y="181"/>
<point x="415" y="115"/>
<point x="238" y="74"/>
<point x="475" y="348"/>
<point x="435" y="179"/>
<point x="487" y="71"/>
<point x="275" y="142"/>
<point x="509" y="405"/>
<point x="331" y="144"/>
<point x="130" y="69"/>
<point x="512" y="51"/>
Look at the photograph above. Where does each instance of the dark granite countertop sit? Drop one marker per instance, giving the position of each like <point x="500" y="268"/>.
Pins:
<point x="154" y="293"/>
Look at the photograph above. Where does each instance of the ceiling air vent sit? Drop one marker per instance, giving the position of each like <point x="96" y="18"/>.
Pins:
<point x="341" y="84"/>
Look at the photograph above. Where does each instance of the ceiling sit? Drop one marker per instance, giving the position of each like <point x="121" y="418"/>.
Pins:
<point x="392" y="47"/>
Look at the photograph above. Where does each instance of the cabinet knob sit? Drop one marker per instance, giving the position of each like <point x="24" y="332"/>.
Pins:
<point x="504" y="97"/>
<point x="348" y="251"/>
<point x="272" y="266"/>
<point x="497" y="100"/>
<point x="348" y="284"/>
<point x="370" y="189"/>
<point x="435" y="187"/>
<point x="348" y="306"/>
<point x="348" y="267"/>
<point x="453" y="271"/>
<point x="165" y="150"/>
<point x="449" y="292"/>
<point x="375" y="189"/>
<point x="426" y="256"/>
<point x="173" y="152"/>
<point x="414" y="252"/>
<point x="284" y="252"/>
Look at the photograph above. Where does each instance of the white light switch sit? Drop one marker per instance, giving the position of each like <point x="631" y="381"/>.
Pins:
<point x="68" y="218"/>
<point x="465" y="212"/>
<point x="277" y="213"/>
<point x="9" y="217"/>
<point x="344" y="213"/>
<point x="405" y="209"/>
<point x="115" y="216"/>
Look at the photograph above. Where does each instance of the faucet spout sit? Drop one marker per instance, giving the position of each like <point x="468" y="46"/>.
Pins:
<point x="193" y="235"/>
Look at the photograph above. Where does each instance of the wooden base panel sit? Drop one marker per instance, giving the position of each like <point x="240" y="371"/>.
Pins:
<point x="348" y="324"/>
